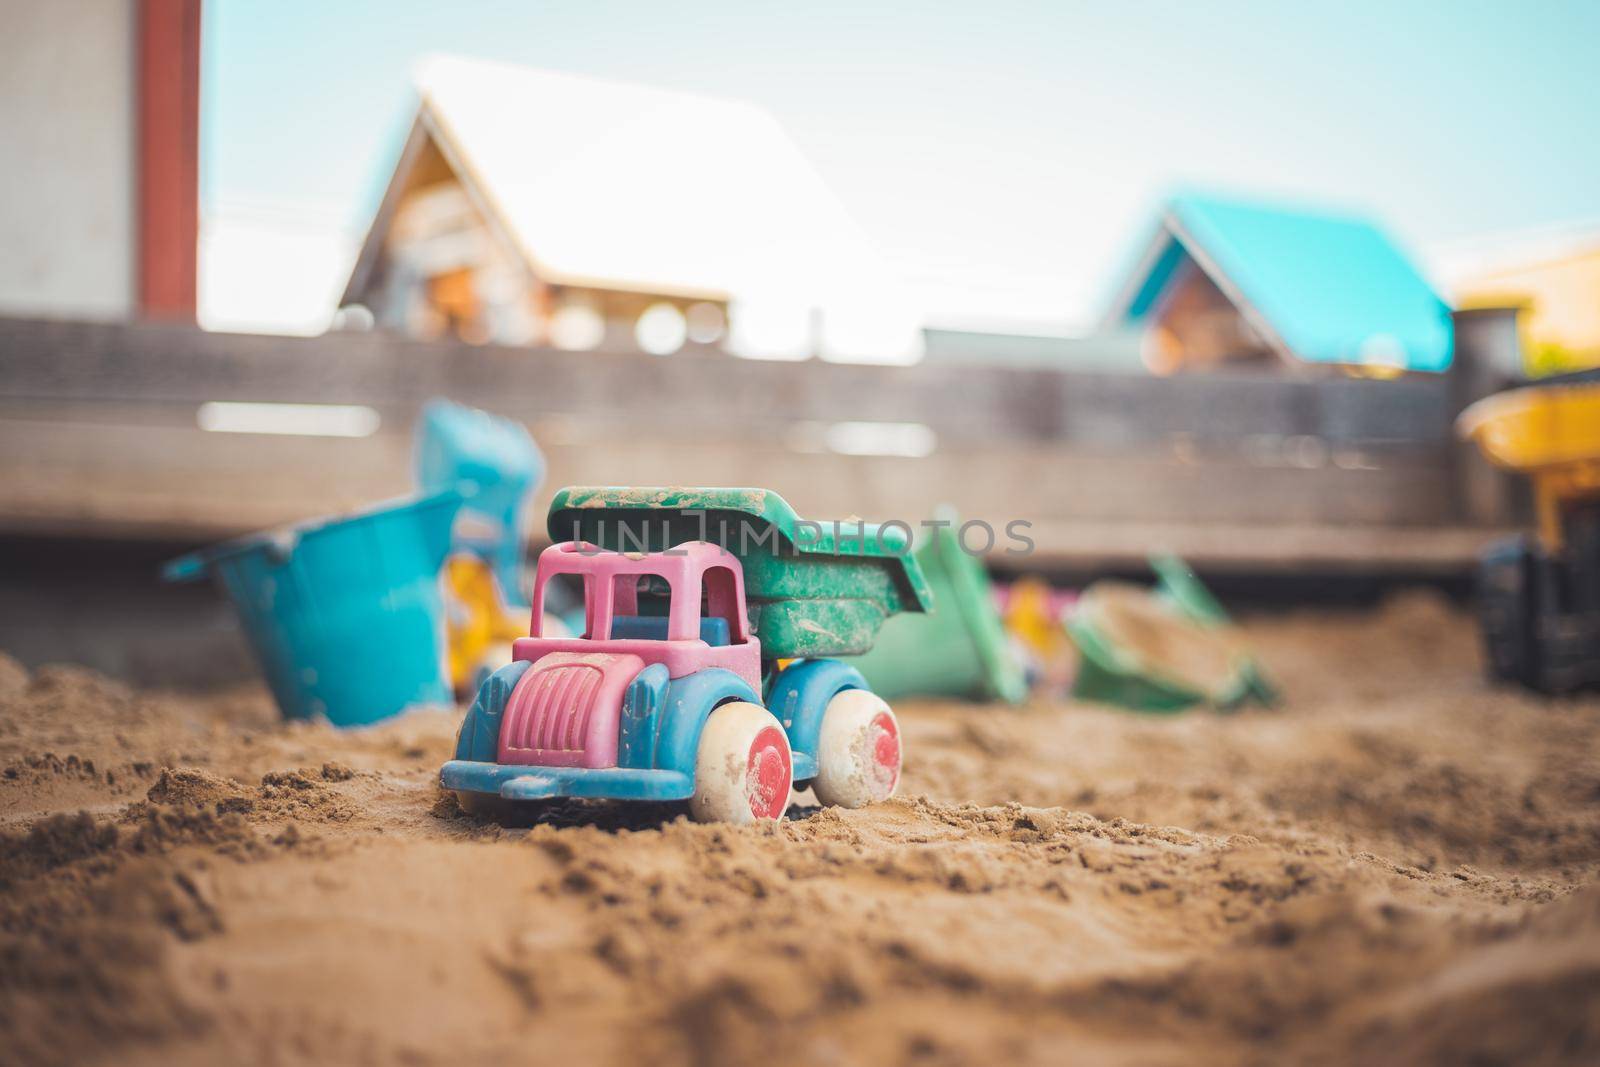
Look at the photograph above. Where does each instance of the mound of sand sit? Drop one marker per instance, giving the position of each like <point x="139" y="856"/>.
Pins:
<point x="1398" y="866"/>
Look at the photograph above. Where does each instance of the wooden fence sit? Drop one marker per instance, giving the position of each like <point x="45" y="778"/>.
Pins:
<point x="99" y="436"/>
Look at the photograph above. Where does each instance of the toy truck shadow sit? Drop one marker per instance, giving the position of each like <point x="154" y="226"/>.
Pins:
<point x="702" y="673"/>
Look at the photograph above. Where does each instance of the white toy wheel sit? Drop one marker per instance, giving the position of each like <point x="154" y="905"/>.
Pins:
<point x="858" y="751"/>
<point x="744" y="770"/>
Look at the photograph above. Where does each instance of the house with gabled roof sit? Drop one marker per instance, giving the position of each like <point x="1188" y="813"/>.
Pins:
<point x="1225" y="282"/>
<point x="535" y="207"/>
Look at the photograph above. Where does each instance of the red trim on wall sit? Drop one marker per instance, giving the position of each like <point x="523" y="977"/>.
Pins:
<point x="169" y="157"/>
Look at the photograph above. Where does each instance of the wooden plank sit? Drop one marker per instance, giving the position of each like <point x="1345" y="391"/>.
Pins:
<point x="98" y="435"/>
<point x="156" y="362"/>
<point x="1222" y="546"/>
<point x="123" y="476"/>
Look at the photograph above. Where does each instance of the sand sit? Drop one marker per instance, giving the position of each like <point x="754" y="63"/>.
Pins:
<point x="1397" y="866"/>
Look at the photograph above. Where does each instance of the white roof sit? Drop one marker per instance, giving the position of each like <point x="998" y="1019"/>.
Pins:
<point x="612" y="185"/>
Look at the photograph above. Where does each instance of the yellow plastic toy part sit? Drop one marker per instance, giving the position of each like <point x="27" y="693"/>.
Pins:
<point x="1552" y="434"/>
<point x="480" y="623"/>
<point x="1028" y="616"/>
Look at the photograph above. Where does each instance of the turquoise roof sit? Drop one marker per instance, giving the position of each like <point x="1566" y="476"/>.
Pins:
<point x="1329" y="289"/>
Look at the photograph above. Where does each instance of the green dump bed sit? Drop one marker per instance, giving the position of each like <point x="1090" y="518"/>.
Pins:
<point x="818" y="588"/>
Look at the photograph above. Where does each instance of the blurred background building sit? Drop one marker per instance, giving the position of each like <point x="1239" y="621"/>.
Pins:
<point x="99" y="116"/>
<point x="1251" y="285"/>
<point x="531" y="207"/>
<point x="1556" y="287"/>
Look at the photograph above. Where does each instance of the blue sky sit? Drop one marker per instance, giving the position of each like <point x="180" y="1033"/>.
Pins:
<point x="1005" y="156"/>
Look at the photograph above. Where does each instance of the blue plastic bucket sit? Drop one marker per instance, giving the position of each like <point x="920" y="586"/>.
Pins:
<point x="460" y="446"/>
<point x="345" y="614"/>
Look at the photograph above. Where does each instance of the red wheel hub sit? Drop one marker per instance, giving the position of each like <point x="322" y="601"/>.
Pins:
<point x="768" y="774"/>
<point x="886" y="749"/>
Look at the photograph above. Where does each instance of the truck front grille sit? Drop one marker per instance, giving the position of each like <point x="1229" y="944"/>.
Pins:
<point x="547" y="718"/>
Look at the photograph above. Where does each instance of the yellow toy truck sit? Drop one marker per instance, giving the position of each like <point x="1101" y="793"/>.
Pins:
<point x="1539" y="594"/>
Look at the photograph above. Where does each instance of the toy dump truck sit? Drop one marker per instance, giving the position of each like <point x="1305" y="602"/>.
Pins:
<point x="1539" y="595"/>
<point x="701" y="673"/>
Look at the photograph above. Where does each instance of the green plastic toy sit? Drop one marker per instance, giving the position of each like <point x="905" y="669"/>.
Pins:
<point x="1163" y="651"/>
<point x="959" y="649"/>
<point x="813" y="588"/>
